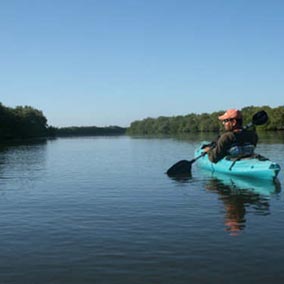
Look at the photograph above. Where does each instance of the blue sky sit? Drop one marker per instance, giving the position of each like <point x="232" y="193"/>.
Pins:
<point x="110" y="62"/>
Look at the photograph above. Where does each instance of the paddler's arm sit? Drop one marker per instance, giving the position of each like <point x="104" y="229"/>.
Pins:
<point x="218" y="152"/>
<point x="211" y="152"/>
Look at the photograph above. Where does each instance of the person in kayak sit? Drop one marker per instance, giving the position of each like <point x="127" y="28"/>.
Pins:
<point x="235" y="142"/>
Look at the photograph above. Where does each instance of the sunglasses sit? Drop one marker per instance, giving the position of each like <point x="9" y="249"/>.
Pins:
<point x="227" y="120"/>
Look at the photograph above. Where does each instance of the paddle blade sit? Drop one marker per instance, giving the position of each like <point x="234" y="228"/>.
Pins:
<point x="181" y="168"/>
<point x="260" y="118"/>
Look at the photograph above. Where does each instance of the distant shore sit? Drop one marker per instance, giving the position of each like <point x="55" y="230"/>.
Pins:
<point x="89" y="131"/>
<point x="27" y="123"/>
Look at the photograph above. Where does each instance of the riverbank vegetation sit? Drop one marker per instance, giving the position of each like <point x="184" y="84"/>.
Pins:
<point x="90" y="131"/>
<point x="27" y="122"/>
<point x="23" y="122"/>
<point x="205" y="122"/>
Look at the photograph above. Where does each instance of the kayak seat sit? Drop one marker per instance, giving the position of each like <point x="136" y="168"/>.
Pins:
<point x="260" y="157"/>
<point x="251" y="156"/>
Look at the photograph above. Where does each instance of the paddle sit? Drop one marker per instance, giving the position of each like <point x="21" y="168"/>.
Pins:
<point x="183" y="167"/>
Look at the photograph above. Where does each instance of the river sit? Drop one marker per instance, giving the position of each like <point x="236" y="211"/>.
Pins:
<point x="102" y="210"/>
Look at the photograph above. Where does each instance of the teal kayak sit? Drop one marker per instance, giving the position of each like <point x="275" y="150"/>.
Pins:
<point x="256" y="167"/>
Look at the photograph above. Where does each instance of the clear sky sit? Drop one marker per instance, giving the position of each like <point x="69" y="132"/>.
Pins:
<point x="110" y="62"/>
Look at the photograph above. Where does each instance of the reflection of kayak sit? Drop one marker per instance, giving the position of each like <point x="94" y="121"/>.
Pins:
<point x="256" y="167"/>
<point x="239" y="195"/>
<point x="243" y="184"/>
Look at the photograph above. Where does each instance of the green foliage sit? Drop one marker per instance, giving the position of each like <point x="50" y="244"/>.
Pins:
<point x="193" y="123"/>
<point x="89" y="131"/>
<point x="27" y="122"/>
<point x="22" y="122"/>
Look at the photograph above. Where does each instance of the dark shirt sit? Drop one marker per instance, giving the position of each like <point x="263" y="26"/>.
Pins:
<point x="229" y="139"/>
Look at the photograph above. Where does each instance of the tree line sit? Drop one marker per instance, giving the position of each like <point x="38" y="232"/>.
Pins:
<point x="27" y="122"/>
<point x="205" y="122"/>
<point x="89" y="131"/>
<point x="24" y="122"/>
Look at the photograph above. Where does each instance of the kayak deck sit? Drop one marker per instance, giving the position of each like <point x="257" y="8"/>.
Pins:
<point x="255" y="167"/>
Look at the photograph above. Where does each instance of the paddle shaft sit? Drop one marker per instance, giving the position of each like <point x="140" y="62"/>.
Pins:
<point x="198" y="157"/>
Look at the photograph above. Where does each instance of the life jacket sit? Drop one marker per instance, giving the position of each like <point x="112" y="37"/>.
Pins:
<point x="244" y="150"/>
<point x="240" y="148"/>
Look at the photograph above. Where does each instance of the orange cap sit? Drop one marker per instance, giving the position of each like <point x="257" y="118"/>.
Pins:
<point x="230" y="114"/>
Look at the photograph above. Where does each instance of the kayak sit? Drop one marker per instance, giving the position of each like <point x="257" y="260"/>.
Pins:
<point x="257" y="167"/>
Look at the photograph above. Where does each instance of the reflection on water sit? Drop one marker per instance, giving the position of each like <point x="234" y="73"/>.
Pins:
<point x="273" y="137"/>
<point x="101" y="210"/>
<point x="22" y="163"/>
<point x="239" y="195"/>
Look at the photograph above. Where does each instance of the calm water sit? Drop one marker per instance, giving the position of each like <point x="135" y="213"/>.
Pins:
<point x="101" y="210"/>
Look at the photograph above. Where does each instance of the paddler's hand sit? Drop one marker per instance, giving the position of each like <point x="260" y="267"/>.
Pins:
<point x="206" y="149"/>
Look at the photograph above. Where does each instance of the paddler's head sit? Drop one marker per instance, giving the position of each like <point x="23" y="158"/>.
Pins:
<point x="232" y="119"/>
